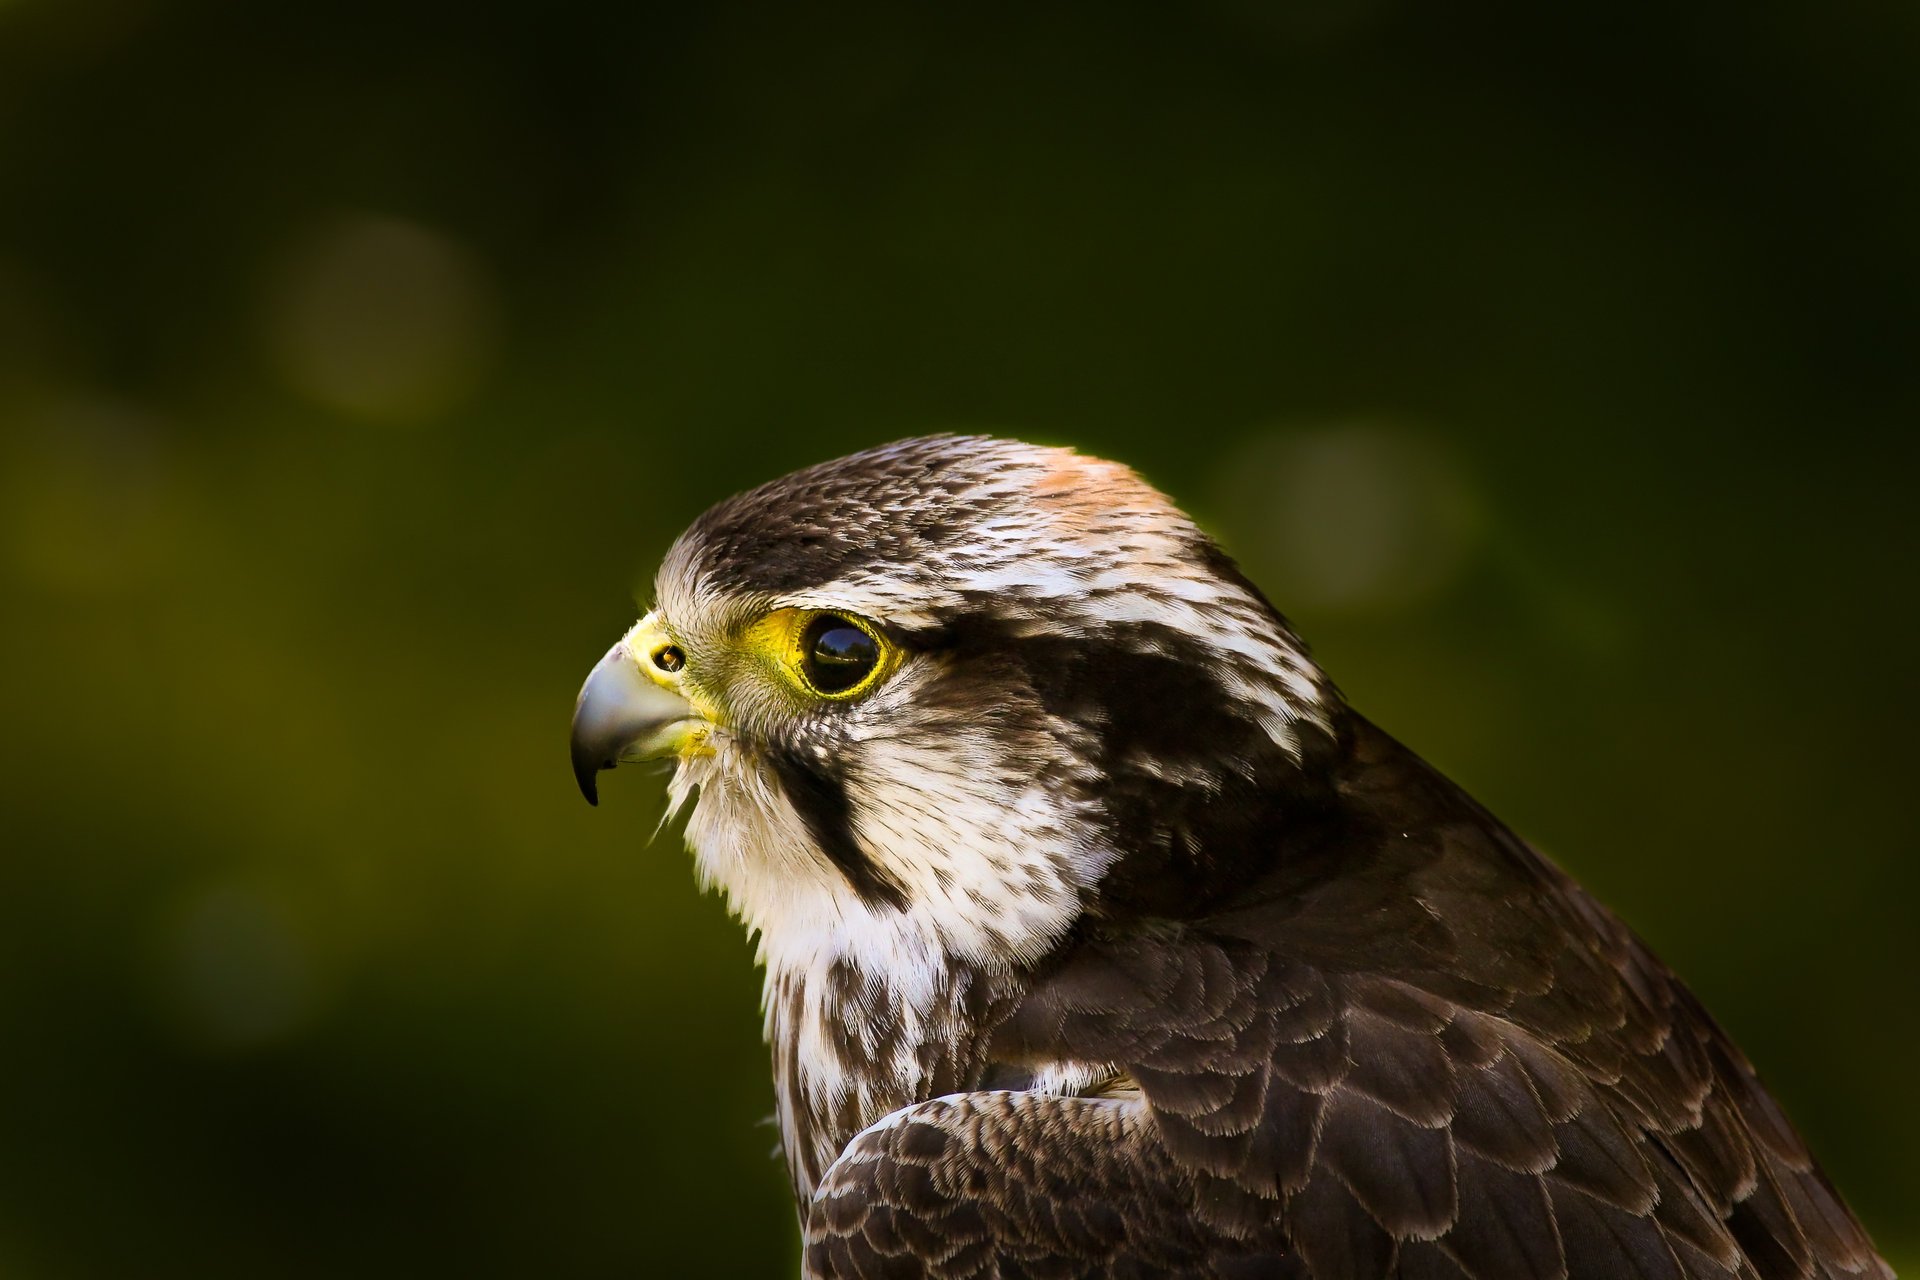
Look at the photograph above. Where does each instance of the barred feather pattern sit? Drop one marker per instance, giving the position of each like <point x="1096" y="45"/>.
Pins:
<point x="1413" y="1048"/>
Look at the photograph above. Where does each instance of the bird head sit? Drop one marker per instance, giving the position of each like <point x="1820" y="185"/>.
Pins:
<point x="954" y="692"/>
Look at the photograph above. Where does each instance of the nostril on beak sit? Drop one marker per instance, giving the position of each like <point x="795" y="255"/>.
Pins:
<point x="619" y="708"/>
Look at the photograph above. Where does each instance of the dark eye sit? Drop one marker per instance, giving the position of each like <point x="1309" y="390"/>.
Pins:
<point x="838" y="655"/>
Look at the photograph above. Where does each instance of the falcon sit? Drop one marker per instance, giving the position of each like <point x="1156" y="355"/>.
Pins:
<point x="1102" y="938"/>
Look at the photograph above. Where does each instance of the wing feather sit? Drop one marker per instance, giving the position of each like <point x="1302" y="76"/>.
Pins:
<point x="1414" y="1049"/>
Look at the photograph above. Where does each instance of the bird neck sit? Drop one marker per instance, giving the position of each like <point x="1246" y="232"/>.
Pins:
<point x="851" y="1043"/>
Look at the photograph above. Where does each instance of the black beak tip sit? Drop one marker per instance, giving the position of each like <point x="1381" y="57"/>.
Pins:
<point x="587" y="774"/>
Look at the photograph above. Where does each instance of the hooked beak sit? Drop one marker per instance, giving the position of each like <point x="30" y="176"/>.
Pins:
<point x="625" y="714"/>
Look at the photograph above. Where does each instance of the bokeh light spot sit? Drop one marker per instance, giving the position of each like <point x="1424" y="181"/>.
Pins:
<point x="1361" y="518"/>
<point x="382" y="319"/>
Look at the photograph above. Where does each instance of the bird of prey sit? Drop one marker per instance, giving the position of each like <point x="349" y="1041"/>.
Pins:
<point x="1102" y="938"/>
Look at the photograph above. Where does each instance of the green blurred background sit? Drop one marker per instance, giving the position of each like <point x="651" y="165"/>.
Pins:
<point x="1554" y="366"/>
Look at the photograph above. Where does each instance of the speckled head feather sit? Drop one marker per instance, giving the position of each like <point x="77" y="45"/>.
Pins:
<point x="927" y="532"/>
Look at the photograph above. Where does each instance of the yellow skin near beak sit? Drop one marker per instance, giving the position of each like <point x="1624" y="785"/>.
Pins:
<point x="642" y="702"/>
<point x="634" y="707"/>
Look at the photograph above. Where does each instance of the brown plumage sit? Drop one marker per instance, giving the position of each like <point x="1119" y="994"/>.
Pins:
<point x="1413" y="1048"/>
<point x="1103" y="939"/>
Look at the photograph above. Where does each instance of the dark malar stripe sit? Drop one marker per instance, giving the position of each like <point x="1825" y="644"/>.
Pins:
<point x="821" y="801"/>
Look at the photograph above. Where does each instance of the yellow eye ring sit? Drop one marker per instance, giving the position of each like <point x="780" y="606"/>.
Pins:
<point x="837" y="656"/>
<point x="823" y="654"/>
